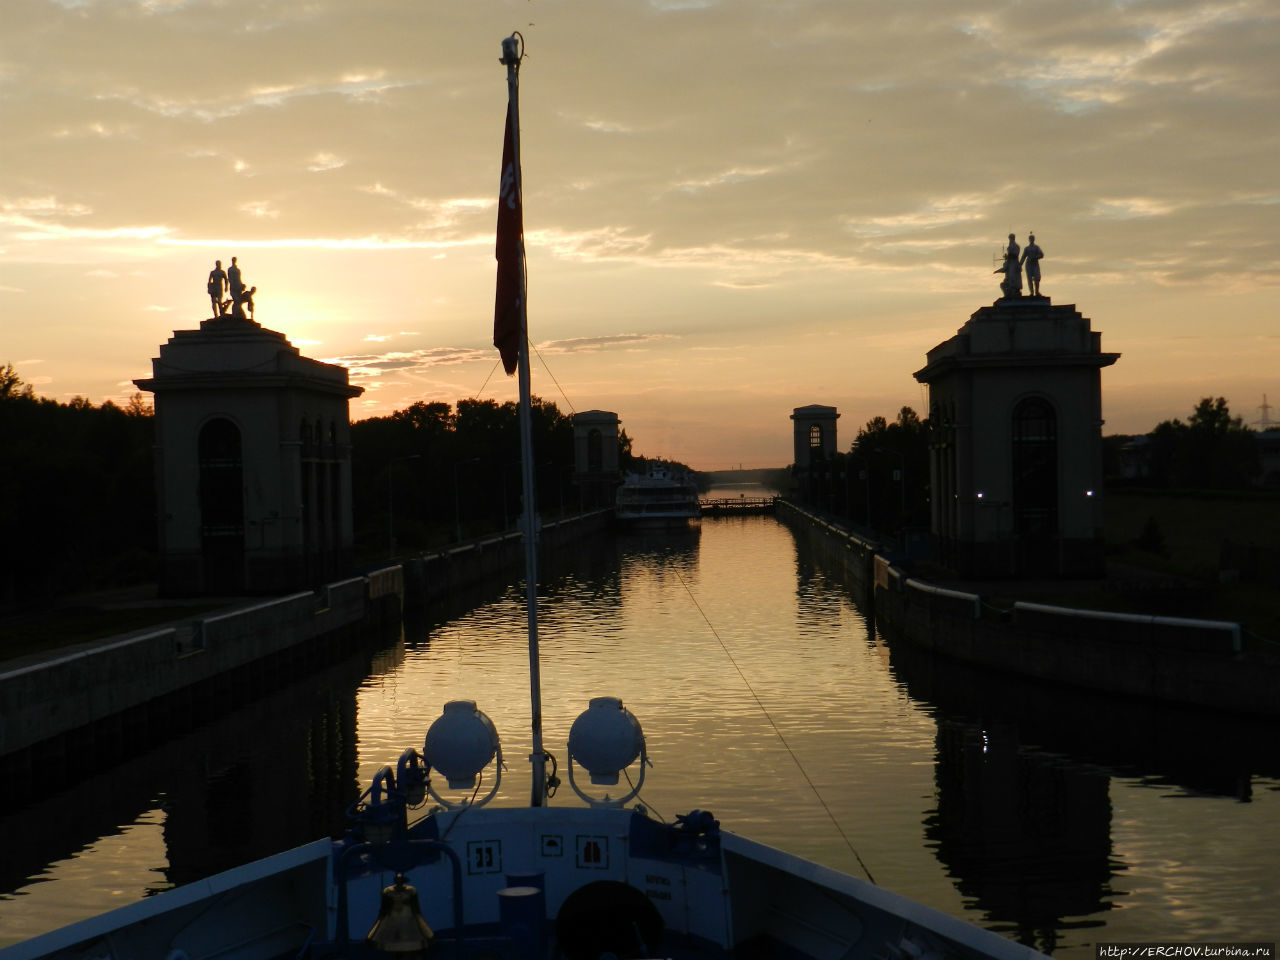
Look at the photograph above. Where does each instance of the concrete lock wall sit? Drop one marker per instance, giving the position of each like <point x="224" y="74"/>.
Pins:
<point x="79" y="690"/>
<point x="1191" y="662"/>
<point x="42" y="701"/>
<point x="67" y="693"/>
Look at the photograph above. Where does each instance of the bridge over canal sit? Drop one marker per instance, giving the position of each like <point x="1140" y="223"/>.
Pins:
<point x="738" y="506"/>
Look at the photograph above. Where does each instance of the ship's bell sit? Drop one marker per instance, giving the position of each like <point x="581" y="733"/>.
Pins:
<point x="400" y="927"/>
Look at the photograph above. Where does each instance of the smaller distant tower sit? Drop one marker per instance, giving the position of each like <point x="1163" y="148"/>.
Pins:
<point x="815" y="434"/>
<point x="595" y="456"/>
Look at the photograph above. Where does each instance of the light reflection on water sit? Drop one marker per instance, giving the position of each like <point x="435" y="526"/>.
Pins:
<point x="764" y="698"/>
<point x="708" y="640"/>
<point x="113" y="867"/>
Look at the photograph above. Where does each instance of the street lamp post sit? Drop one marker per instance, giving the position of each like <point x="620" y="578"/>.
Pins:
<point x="391" y="510"/>
<point x="457" y="508"/>
<point x="902" y="485"/>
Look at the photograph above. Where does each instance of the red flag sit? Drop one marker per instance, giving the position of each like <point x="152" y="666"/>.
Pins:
<point x="508" y="307"/>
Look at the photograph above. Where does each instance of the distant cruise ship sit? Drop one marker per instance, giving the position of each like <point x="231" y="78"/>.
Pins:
<point x="658" y="494"/>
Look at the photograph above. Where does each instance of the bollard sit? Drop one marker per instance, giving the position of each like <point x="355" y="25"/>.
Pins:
<point x="522" y="912"/>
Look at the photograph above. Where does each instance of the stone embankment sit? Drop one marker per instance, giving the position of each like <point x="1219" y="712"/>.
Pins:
<point x="101" y="693"/>
<point x="432" y="576"/>
<point x="1198" y="663"/>
<point x="107" y="693"/>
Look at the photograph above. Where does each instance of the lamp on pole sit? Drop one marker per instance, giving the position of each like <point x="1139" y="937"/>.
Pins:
<point x="391" y="511"/>
<point x="902" y="484"/>
<point x="457" y="508"/>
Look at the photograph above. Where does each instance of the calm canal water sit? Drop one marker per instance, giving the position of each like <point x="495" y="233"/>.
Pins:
<point x="1058" y="819"/>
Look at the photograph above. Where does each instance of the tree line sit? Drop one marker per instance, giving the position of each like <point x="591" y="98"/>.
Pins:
<point x="435" y="473"/>
<point x="78" y="503"/>
<point x="78" y="500"/>
<point x="882" y="482"/>
<point x="1211" y="450"/>
<point x="77" y="493"/>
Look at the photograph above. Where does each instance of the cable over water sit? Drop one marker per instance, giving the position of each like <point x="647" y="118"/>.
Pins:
<point x="777" y="732"/>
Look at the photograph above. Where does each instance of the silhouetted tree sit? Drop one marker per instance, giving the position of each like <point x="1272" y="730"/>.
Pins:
<point x="11" y="384"/>
<point x="77" y="494"/>
<point x="435" y="471"/>
<point x="1211" y="451"/>
<point x="625" y="457"/>
<point x="888" y="480"/>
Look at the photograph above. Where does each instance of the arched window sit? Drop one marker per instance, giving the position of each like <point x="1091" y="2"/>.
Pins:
<point x="1035" y="468"/>
<point x="815" y="443"/>
<point x="595" y="452"/>
<point x="221" y="467"/>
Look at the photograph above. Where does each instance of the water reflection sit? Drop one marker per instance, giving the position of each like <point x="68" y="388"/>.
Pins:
<point x="255" y="779"/>
<point x="1199" y="752"/>
<point x="765" y="696"/>
<point x="1027" y="837"/>
<point x="1056" y="809"/>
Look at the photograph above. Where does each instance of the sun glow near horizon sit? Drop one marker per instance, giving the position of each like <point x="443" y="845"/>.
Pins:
<point x="721" y="233"/>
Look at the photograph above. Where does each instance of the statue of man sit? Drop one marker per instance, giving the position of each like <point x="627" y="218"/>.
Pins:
<point x="217" y="287"/>
<point x="239" y="295"/>
<point x="1011" y="285"/>
<point x="1031" y="258"/>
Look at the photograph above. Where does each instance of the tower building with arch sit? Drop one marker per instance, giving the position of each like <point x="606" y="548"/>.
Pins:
<point x="814" y="434"/>
<point x="1015" y="408"/>
<point x="596" y="467"/>
<point x="253" y="462"/>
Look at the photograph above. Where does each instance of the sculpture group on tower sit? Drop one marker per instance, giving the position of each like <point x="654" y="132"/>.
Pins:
<point x="1011" y="285"/>
<point x="221" y="283"/>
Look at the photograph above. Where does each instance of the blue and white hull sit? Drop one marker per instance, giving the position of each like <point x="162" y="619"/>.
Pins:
<point x="538" y="882"/>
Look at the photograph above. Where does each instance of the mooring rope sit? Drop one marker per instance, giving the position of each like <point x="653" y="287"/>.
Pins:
<point x="777" y="732"/>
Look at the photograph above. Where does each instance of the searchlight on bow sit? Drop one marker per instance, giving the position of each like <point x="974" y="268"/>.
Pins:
<point x="459" y="745"/>
<point x="605" y="740"/>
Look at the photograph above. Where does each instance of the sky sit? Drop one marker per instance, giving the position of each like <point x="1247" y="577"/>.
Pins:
<point x="732" y="207"/>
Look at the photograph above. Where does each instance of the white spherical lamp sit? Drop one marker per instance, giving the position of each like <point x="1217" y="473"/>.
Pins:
<point x="605" y="739"/>
<point x="461" y="743"/>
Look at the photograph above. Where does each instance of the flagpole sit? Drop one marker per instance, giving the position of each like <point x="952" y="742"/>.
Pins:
<point x="511" y="57"/>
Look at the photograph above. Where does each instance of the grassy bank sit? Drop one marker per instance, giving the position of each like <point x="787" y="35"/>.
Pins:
<point x="1177" y="539"/>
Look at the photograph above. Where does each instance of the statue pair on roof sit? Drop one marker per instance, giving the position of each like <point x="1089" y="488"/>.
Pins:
<point x="222" y="283"/>
<point x="1011" y="285"/>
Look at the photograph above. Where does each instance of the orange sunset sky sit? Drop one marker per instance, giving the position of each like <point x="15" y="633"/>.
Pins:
<point x="732" y="207"/>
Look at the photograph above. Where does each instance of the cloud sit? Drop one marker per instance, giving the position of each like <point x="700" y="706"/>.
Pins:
<point x="937" y="212"/>
<point x="259" y="208"/>
<point x="592" y="344"/>
<point x="784" y="167"/>
<point x="46" y="206"/>
<point x="324" y="162"/>
<point x="728" y="177"/>
<point x="371" y="365"/>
